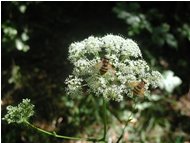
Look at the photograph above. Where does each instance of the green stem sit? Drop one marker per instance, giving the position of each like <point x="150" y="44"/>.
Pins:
<point x="76" y="138"/>
<point x="104" y="119"/>
<point x="128" y="120"/>
<point x="60" y="136"/>
<point x="123" y="130"/>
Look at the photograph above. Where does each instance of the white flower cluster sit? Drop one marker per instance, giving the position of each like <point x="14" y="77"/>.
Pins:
<point x="74" y="85"/>
<point x="127" y="65"/>
<point x="20" y="113"/>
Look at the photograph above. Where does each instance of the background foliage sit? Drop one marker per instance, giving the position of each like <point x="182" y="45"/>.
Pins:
<point x="35" y="40"/>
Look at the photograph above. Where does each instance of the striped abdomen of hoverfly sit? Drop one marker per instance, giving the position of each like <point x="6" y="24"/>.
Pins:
<point x="139" y="89"/>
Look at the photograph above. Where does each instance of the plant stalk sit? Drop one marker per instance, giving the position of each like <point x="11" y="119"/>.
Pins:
<point x="104" y="119"/>
<point x="60" y="136"/>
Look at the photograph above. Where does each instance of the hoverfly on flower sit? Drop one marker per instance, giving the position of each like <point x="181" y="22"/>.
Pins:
<point x="105" y="66"/>
<point x="138" y="87"/>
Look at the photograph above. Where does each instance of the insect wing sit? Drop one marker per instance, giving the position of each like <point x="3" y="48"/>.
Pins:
<point x="142" y="92"/>
<point x="133" y="84"/>
<point x="98" y="65"/>
<point x="111" y="69"/>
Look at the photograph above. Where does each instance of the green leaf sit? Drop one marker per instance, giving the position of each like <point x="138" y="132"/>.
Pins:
<point x="171" y="41"/>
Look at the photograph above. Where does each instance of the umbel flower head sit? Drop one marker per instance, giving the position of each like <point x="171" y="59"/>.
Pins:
<point x="123" y="64"/>
<point x="19" y="114"/>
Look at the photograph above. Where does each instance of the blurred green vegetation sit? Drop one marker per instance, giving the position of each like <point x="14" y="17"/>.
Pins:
<point x="35" y="40"/>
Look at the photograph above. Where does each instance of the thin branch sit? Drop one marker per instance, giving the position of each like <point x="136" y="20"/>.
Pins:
<point x="123" y="131"/>
<point x="128" y="120"/>
<point x="104" y="119"/>
<point x="60" y="136"/>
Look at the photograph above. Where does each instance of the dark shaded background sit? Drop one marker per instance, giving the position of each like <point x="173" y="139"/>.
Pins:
<point x="53" y="26"/>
